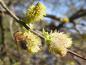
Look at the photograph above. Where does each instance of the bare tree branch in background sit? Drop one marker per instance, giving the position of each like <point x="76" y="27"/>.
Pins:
<point x="76" y="15"/>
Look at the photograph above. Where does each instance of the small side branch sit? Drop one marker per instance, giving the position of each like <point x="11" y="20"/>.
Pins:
<point x="2" y="30"/>
<point x="17" y="19"/>
<point x="75" y="54"/>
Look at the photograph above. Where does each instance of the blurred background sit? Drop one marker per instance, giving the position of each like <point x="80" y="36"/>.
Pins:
<point x="73" y="10"/>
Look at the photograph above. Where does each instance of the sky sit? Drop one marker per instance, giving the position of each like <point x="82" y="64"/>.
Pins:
<point x="55" y="7"/>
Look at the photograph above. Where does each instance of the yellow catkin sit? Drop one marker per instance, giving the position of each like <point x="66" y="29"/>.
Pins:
<point x="33" y="42"/>
<point x="58" y="42"/>
<point x="35" y="13"/>
<point x="65" y="20"/>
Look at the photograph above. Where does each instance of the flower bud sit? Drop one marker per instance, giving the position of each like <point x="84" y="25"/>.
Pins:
<point x="65" y="20"/>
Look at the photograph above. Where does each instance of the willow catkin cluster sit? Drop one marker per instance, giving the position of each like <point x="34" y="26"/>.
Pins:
<point x="35" y="13"/>
<point x="33" y="42"/>
<point x="58" y="43"/>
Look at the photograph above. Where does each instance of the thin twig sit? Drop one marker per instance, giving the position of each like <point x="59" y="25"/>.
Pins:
<point x="53" y="17"/>
<point x="10" y="26"/>
<point x="13" y="15"/>
<point x="75" y="54"/>
<point x="17" y="19"/>
<point x="76" y="60"/>
<point x="2" y="29"/>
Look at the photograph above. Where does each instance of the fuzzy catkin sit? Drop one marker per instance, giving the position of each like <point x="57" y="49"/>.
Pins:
<point x="35" y="13"/>
<point x="32" y="41"/>
<point x="58" y="42"/>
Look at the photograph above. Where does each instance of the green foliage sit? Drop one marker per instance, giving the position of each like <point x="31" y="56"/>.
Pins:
<point x="47" y="37"/>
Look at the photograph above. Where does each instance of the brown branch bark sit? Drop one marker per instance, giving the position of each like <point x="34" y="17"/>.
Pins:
<point x="53" y="17"/>
<point x="2" y="30"/>
<point x="17" y="19"/>
<point x="75" y="54"/>
<point x="76" y="15"/>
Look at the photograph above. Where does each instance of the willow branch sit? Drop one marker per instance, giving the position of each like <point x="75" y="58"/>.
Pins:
<point x="76" y="15"/>
<point x="53" y="17"/>
<point x="17" y="19"/>
<point x="23" y="24"/>
<point x="75" y="54"/>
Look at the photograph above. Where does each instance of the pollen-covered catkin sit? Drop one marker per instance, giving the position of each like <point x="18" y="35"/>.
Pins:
<point x="35" y="13"/>
<point x="32" y="41"/>
<point x="58" y="43"/>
